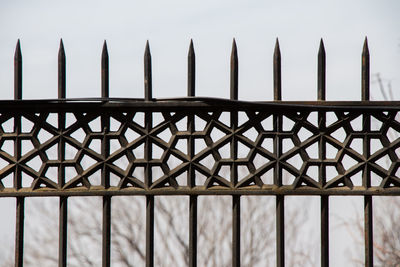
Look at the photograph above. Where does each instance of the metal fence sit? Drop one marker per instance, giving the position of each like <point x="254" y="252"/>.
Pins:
<point x="264" y="139"/>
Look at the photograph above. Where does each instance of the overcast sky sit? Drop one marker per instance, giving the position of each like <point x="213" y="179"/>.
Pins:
<point x="169" y="25"/>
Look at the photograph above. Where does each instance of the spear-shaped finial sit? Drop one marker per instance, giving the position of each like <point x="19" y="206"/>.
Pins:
<point x="321" y="71"/>
<point x="147" y="73"/>
<point x="191" y="70"/>
<point x="18" y="72"/>
<point x="61" y="71"/>
<point x="234" y="71"/>
<point x="277" y="72"/>
<point x="104" y="71"/>
<point x="365" y="71"/>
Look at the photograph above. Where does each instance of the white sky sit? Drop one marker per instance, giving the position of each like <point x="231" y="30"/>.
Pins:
<point x="169" y="25"/>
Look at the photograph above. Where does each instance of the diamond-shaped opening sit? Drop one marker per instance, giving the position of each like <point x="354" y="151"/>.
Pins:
<point x="331" y="151"/>
<point x="181" y="145"/>
<point x="181" y="125"/>
<point x="52" y="152"/>
<point x="356" y="179"/>
<point x="375" y="124"/>
<point x="157" y="151"/>
<point x="52" y="119"/>
<point x="139" y="151"/>
<point x="375" y="179"/>
<point x="200" y="179"/>
<point x="331" y="172"/>
<point x="199" y="124"/>
<point x="268" y="144"/>
<point x="356" y="123"/>
<point x="287" y="144"/>
<point x="157" y="172"/>
<point x="225" y="118"/>
<point x="35" y="163"/>
<point x="242" y="171"/>
<point x="8" y="147"/>
<point x="26" y="146"/>
<point x="87" y="161"/>
<point x="251" y="133"/>
<point x="95" y="125"/>
<point x="165" y="135"/>
<point x="242" y="118"/>
<point x="348" y="162"/>
<point x="26" y="125"/>
<point x="95" y="178"/>
<point x="44" y="136"/>
<point x="339" y="134"/>
<point x="8" y="181"/>
<point x="397" y="151"/>
<point x="268" y="123"/>
<point x="8" y="125"/>
<point x="330" y="118"/>
<point x="26" y="180"/>
<point x="114" y="125"/>
<point x="157" y="118"/>
<point x="312" y="172"/>
<point x="304" y="134"/>
<point x="287" y="177"/>
<point x="199" y="145"/>
<point x="70" y="173"/>
<point x="69" y="119"/>
<point x="114" y="145"/>
<point x="138" y="173"/>
<point x="181" y="179"/>
<point x="376" y="144"/>
<point x="95" y="145"/>
<point x="313" y="151"/>
<point x="313" y="118"/>
<point x="208" y="162"/>
<point x="131" y="135"/>
<point x="216" y="134"/>
<point x="122" y="162"/>
<point x="384" y="161"/>
<point x="70" y="151"/>
<point x="52" y="174"/>
<point x="357" y="145"/>
<point x="3" y="163"/>
<point x="225" y="172"/>
<point x="243" y="150"/>
<point x="139" y="118"/>
<point x="78" y="135"/>
<point x="114" y="179"/>
<point x="259" y="161"/>
<point x="173" y="162"/>
<point x="392" y="134"/>
<point x="268" y="177"/>
<point x="225" y="151"/>
<point x="295" y="161"/>
<point x="287" y="123"/>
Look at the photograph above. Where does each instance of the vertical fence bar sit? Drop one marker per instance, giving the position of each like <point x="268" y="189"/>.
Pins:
<point x="147" y="157"/>
<point x="234" y="152"/>
<point x="20" y="207"/>
<point x="322" y="156"/>
<point x="63" y="212"/>
<point x="191" y="152"/>
<point x="105" y="151"/>
<point x="366" y="179"/>
<point x="280" y="199"/>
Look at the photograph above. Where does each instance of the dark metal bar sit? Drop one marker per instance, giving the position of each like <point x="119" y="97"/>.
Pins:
<point x="191" y="152"/>
<point x="148" y="156"/>
<point x="18" y="72"/>
<point x="234" y="152"/>
<point x="321" y="71"/>
<point x="105" y="174"/>
<point x="280" y="199"/>
<point x="63" y="212"/>
<point x="366" y="179"/>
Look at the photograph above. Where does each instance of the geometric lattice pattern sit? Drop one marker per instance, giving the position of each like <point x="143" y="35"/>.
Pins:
<point x="136" y="150"/>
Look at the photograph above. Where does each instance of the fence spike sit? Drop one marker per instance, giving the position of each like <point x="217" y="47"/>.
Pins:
<point x="191" y="70"/>
<point x="147" y="73"/>
<point x="321" y="71"/>
<point x="365" y="71"/>
<point x="18" y="72"/>
<point x="104" y="71"/>
<point x="61" y="71"/>
<point x="234" y="71"/>
<point x="277" y="72"/>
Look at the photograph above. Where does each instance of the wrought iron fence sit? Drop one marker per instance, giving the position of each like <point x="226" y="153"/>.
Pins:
<point x="115" y="139"/>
